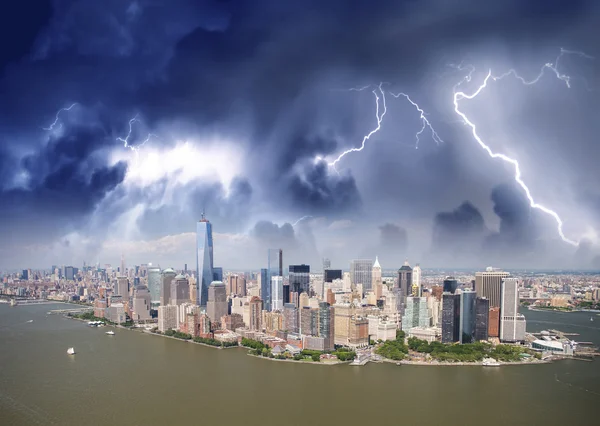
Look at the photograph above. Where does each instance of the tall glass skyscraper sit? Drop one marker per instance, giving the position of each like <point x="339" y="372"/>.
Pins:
<point x="467" y="316"/>
<point x="204" y="260"/>
<point x="274" y="269"/>
<point x="154" y="282"/>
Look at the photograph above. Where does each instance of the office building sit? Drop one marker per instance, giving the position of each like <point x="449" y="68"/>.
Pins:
<point x="116" y="313"/>
<point x="467" y="316"/>
<point x="450" y="318"/>
<point x="274" y="269"/>
<point x="216" y="306"/>
<point x="299" y="278"/>
<point x="277" y="293"/>
<point x="154" y="282"/>
<point x="309" y="319"/>
<point x="416" y="281"/>
<point x="494" y="322"/>
<point x="405" y="275"/>
<point x="286" y="293"/>
<point x="488" y="284"/>
<point x="70" y="273"/>
<point x="332" y="274"/>
<point x="255" y="320"/>
<point x="141" y="304"/>
<point x="375" y="274"/>
<point x="482" y="309"/>
<point x="290" y="318"/>
<point x="179" y="291"/>
<point x="167" y="276"/>
<point x="326" y="325"/>
<point x="416" y="313"/>
<point x="236" y="285"/>
<point x="512" y="324"/>
<point x="167" y="318"/>
<point x="361" y="271"/>
<point x="450" y="285"/>
<point x="122" y="287"/>
<point x="217" y="273"/>
<point x="204" y="260"/>
<point x="326" y="264"/>
<point x="264" y="283"/>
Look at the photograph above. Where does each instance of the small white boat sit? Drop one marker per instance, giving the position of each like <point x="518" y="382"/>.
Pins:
<point x="591" y="319"/>
<point x="490" y="362"/>
<point x="30" y="321"/>
<point x="71" y="351"/>
<point x="110" y="333"/>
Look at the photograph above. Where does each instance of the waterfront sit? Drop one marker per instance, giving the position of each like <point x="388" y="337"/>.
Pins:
<point x="137" y="379"/>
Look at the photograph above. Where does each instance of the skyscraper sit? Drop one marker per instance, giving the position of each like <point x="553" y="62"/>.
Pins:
<point x="217" y="273"/>
<point x="277" y="293"/>
<point x="512" y="324"/>
<point x="122" y="287"/>
<point x="326" y="324"/>
<point x="216" y="306"/>
<point x="204" y="260"/>
<point x="482" y="307"/>
<point x="450" y="285"/>
<point x="309" y="321"/>
<point x="489" y="284"/>
<point x="405" y="285"/>
<point x="332" y="274"/>
<point x="274" y="269"/>
<point x="290" y="318"/>
<point x="141" y="304"/>
<point x="416" y="281"/>
<point x="326" y="264"/>
<point x="122" y="271"/>
<point x="416" y="313"/>
<point x="180" y="291"/>
<point x="154" y="282"/>
<point x="299" y="278"/>
<point x="361" y="271"/>
<point x="467" y="316"/>
<point x="375" y="274"/>
<point x="256" y="307"/>
<point x="165" y="285"/>
<point x="450" y="318"/>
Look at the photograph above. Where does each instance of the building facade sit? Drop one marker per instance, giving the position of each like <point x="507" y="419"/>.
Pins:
<point x="154" y="282"/>
<point x="167" y="318"/>
<point x="204" y="260"/>
<point x="450" y="318"/>
<point x="482" y="309"/>
<point x="216" y="306"/>
<point x="512" y="324"/>
<point x="299" y="278"/>
<point x="361" y="272"/>
<point x="488" y="284"/>
<point x="416" y="313"/>
<point x="277" y="293"/>
<point x="165" y="286"/>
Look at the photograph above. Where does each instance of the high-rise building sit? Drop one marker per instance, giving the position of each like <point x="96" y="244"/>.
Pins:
<point x="204" y="260"/>
<point x="255" y="306"/>
<point x="286" y="293"/>
<point x="512" y="323"/>
<point x="216" y="306"/>
<point x="482" y="309"/>
<point x="141" y="303"/>
<point x="69" y="273"/>
<point x="489" y="284"/>
<point x="154" y="282"/>
<point x="309" y="321"/>
<point x="236" y="285"/>
<point x="416" y="313"/>
<point x="467" y="316"/>
<point x="326" y="264"/>
<point x="179" y="291"/>
<point x="375" y="274"/>
<point x="167" y="317"/>
<point x="332" y="274"/>
<point x="122" y="271"/>
<point x="361" y="271"/>
<point x="405" y="276"/>
<point x="326" y="324"/>
<point x="274" y="269"/>
<point x="277" y="293"/>
<point x="494" y="322"/>
<point x="122" y="287"/>
<point x="450" y="318"/>
<point x="450" y="285"/>
<point x="217" y="273"/>
<point x="416" y="281"/>
<point x="166" y="277"/>
<point x="264" y="283"/>
<point x="290" y="318"/>
<point x="299" y="278"/>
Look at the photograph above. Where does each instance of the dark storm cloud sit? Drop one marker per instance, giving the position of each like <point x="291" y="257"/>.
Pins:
<point x="259" y="69"/>
<point x="393" y="237"/>
<point x="227" y="211"/>
<point x="271" y="235"/>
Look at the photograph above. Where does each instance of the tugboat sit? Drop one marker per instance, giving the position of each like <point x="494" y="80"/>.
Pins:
<point x="71" y="351"/>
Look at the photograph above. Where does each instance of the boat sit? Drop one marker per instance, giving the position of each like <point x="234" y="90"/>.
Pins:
<point x="30" y="321"/>
<point x="110" y="333"/>
<point x="591" y="319"/>
<point x="490" y="362"/>
<point x="71" y="351"/>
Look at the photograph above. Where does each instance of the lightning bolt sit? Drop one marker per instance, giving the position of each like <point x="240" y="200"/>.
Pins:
<point x="424" y="121"/>
<point x="459" y="95"/>
<point x="57" y="117"/>
<point x="125" y="140"/>
<point x="372" y="132"/>
<point x="300" y="220"/>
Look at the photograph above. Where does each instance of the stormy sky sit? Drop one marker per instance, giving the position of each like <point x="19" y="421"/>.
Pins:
<point x="121" y="121"/>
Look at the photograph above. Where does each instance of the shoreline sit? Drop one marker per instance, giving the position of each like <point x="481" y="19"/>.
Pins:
<point x="294" y="361"/>
<point x="467" y="364"/>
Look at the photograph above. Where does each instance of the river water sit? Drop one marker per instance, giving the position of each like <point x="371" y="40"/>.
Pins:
<point x="138" y="379"/>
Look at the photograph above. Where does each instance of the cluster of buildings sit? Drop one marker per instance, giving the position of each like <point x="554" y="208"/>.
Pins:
<point x="293" y="308"/>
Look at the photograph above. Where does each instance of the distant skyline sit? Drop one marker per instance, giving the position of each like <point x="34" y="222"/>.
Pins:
<point x="121" y="123"/>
